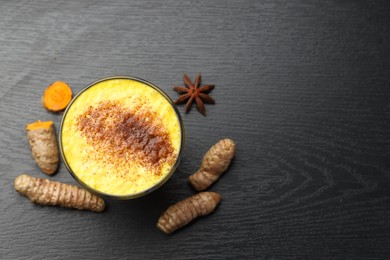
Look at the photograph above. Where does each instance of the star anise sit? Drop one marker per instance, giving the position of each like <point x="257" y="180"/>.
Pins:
<point x="193" y="92"/>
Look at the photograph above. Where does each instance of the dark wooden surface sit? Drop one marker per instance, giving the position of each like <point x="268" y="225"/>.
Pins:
<point x="302" y="86"/>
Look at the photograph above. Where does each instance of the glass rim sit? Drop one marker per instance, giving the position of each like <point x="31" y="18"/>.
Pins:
<point x="133" y="195"/>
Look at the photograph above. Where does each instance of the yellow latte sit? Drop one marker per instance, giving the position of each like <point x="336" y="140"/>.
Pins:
<point x="121" y="137"/>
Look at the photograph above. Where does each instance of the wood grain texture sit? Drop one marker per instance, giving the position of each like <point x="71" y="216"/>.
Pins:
<point x="303" y="88"/>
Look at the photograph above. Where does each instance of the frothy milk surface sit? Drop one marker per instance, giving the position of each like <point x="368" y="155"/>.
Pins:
<point x="121" y="137"/>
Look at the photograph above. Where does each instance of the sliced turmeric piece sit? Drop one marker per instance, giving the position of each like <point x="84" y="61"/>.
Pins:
<point x="185" y="211"/>
<point x="215" y="162"/>
<point x="43" y="143"/>
<point x="57" y="96"/>
<point x="52" y="193"/>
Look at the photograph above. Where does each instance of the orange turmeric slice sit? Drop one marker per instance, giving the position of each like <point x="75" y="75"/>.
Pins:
<point x="57" y="96"/>
<point x="39" y="125"/>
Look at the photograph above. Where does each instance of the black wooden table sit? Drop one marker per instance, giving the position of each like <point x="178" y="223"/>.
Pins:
<point x="303" y="87"/>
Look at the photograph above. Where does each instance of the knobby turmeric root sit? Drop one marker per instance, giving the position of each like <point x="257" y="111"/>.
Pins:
<point x="185" y="211"/>
<point x="57" y="96"/>
<point x="51" y="193"/>
<point x="214" y="163"/>
<point x="43" y="142"/>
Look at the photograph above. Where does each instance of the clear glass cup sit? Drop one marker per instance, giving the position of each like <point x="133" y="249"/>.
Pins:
<point x="151" y="188"/>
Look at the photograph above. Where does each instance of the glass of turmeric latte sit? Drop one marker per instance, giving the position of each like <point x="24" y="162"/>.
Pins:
<point x="121" y="137"/>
